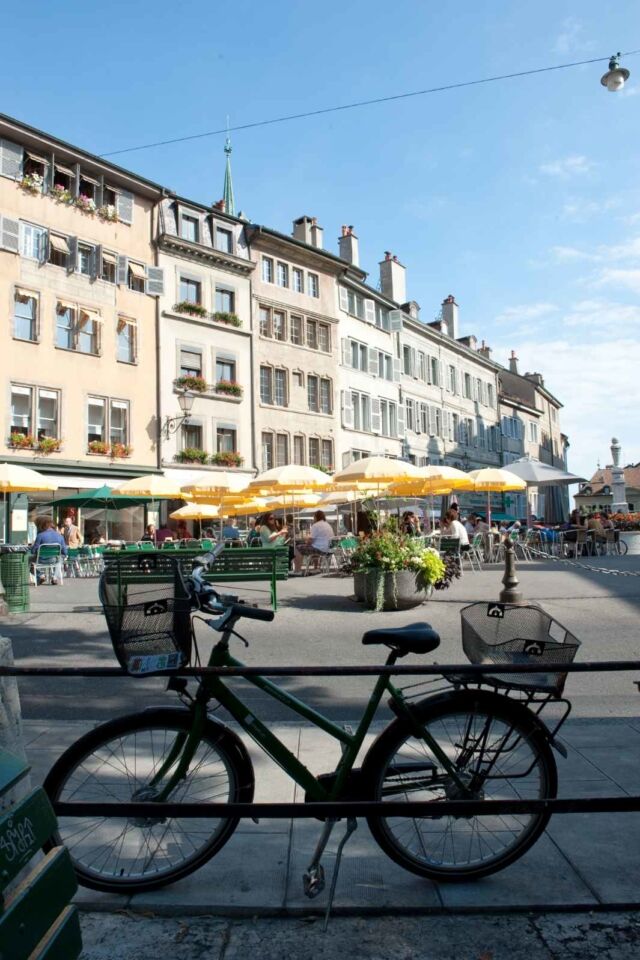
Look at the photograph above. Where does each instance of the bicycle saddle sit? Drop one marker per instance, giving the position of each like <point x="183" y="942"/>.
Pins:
<point x="414" y="638"/>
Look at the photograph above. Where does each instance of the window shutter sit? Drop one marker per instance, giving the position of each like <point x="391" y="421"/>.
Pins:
<point x="43" y="247"/>
<point x="373" y="362"/>
<point x="433" y="422"/>
<point x="347" y="408"/>
<point x="11" y="155"/>
<point x="154" y="284"/>
<point x="124" y="206"/>
<point x="397" y="369"/>
<point x="99" y="192"/>
<point x="414" y="363"/>
<point x="344" y="299"/>
<point x="96" y="262"/>
<point x="418" y="413"/>
<point x="72" y="259"/>
<point x="75" y="183"/>
<point x="346" y="352"/>
<point x="401" y="420"/>
<point x="376" y="416"/>
<point x="99" y="336"/>
<point x="123" y="271"/>
<point x="48" y="175"/>
<point x="370" y="311"/>
<point x="395" y="320"/>
<point x="9" y="234"/>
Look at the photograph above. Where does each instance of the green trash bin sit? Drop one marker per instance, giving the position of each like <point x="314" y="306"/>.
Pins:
<point x="14" y="572"/>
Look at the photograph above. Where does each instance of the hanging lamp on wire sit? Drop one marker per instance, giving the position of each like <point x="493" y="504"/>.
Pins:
<point x="616" y="76"/>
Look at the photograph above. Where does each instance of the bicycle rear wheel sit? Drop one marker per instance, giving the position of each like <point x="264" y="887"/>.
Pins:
<point x="116" y="762"/>
<point x="498" y="752"/>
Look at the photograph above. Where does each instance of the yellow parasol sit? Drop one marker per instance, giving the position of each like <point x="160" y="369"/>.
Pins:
<point x="243" y="508"/>
<point x="375" y="471"/>
<point x="293" y="476"/>
<point x="495" y="480"/>
<point x="298" y="499"/>
<point x="156" y="486"/>
<point x="17" y="479"/>
<point x="196" y="511"/>
<point x="212" y="486"/>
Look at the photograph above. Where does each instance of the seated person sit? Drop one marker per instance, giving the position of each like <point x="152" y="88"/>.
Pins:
<point x="229" y="531"/>
<point x="470" y="524"/>
<point x="49" y="535"/>
<point x="410" y="525"/>
<point x="453" y="528"/>
<point x="149" y="534"/>
<point x="271" y="535"/>
<point x="164" y="533"/>
<point x="595" y="528"/>
<point x="318" y="540"/>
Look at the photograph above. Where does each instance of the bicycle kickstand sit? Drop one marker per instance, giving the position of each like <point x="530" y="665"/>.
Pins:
<point x="313" y="877"/>
<point x="352" y="826"/>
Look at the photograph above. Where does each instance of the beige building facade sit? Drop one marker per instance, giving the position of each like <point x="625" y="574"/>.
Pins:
<point x="79" y="284"/>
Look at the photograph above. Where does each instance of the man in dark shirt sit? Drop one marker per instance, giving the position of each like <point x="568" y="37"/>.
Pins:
<point x="49" y="535"/>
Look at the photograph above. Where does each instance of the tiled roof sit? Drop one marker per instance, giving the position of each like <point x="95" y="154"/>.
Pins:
<point x="602" y="478"/>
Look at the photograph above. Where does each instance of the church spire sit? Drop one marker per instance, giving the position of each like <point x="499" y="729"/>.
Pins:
<point x="227" y="195"/>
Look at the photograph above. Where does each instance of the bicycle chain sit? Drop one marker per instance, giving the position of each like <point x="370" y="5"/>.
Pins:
<point x="583" y="566"/>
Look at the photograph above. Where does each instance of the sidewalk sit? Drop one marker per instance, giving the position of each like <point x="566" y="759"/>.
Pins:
<point x="583" y="862"/>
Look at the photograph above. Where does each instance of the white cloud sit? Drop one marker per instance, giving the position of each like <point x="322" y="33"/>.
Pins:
<point x="570" y="38"/>
<point x="566" y="167"/>
<point x="524" y="313"/>
<point x="571" y="254"/>
<point x="617" y="276"/>
<point x="580" y="210"/>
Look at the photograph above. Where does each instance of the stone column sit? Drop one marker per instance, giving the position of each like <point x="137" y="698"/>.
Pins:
<point x="620" y="504"/>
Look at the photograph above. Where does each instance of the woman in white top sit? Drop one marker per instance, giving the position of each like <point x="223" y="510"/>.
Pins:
<point x="453" y="528"/>
<point x="318" y="541"/>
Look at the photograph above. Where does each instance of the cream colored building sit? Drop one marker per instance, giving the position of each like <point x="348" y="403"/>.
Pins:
<point x="79" y="284"/>
<point x="205" y="339"/>
<point x="296" y="343"/>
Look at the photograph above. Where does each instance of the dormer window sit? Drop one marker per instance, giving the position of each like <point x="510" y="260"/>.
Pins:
<point x="63" y="177"/>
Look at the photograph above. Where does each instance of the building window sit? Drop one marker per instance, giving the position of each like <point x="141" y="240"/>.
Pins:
<point x="33" y="241"/>
<point x="452" y="379"/>
<point x="435" y="376"/>
<point x="85" y="259"/>
<point x="295" y="329"/>
<point x="137" y="277"/>
<point x="34" y="165"/>
<point x="298" y="280"/>
<point x="382" y="318"/>
<point x="190" y="363"/>
<point x="325" y="395"/>
<point x="324" y="338"/>
<point x="312" y="392"/>
<point x="225" y="440"/>
<point x="225" y="369"/>
<point x="422" y="366"/>
<point x="282" y="274"/>
<point x="265" y="322"/>
<point x="266" y="385"/>
<point x="410" y="419"/>
<point x="361" y="411"/>
<point x="282" y="449"/>
<point x="189" y="228"/>
<point x="45" y="415"/>
<point x="108" y="272"/>
<point x="279" y="325"/>
<point x="47" y="425"/>
<point x="424" y="418"/>
<point x="118" y="421"/>
<point x="266" y="444"/>
<point x="267" y="269"/>
<point x="298" y="450"/>
<point x="224" y="240"/>
<point x="326" y="449"/>
<point x="190" y="290"/>
<point x="58" y="251"/>
<point x="467" y="386"/>
<point x="25" y="315"/>
<point x="280" y="388"/>
<point x="191" y="436"/>
<point x="355" y="304"/>
<point x="96" y="419"/>
<point x="313" y="285"/>
<point x="225" y="300"/>
<point x="490" y="394"/>
<point x="65" y="323"/>
<point x="126" y="340"/>
<point x="406" y="360"/>
<point x="314" y="452"/>
<point x="312" y="334"/>
<point x="359" y="356"/>
<point x="385" y="366"/>
<point x="533" y="432"/>
<point x="21" y="410"/>
<point x="86" y="340"/>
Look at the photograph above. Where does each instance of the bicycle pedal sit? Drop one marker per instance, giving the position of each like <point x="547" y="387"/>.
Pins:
<point x="313" y="882"/>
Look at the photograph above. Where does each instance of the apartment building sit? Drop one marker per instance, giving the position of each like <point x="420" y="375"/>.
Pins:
<point x="79" y="281"/>
<point x="295" y="345"/>
<point x="205" y="338"/>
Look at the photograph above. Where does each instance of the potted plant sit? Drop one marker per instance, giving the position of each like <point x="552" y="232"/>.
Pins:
<point x="120" y="450"/>
<point x="21" y="441"/>
<point x="227" y="458"/>
<point x="31" y="182"/>
<point x="108" y="212"/>
<point x="221" y="316"/>
<point x="60" y="193"/>
<point x="86" y="203"/>
<point x="99" y="447"/>
<point x="191" y="455"/>
<point x="399" y="572"/>
<point x="48" y="445"/>
<point x="186" y="306"/>
<point x="197" y="384"/>
<point x="231" y="387"/>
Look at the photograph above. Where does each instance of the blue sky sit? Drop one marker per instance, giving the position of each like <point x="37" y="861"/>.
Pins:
<point x="521" y="198"/>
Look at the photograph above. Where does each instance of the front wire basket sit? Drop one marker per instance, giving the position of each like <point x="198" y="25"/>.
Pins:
<point x="147" y="607"/>
<point x="501" y="633"/>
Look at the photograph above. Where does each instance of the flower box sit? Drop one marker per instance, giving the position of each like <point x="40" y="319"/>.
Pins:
<point x="197" y="384"/>
<point x="120" y="450"/>
<point x="86" y="203"/>
<point x="191" y="455"/>
<point x="227" y="458"/>
<point x="99" y="447"/>
<point x="229" y="386"/>
<point x="60" y="194"/>
<point x="31" y="182"/>
<point x="21" y="441"/>
<point x="48" y="445"/>
<point x="229" y="318"/>
<point x="195" y="309"/>
<point x="399" y="572"/>
<point x="108" y="212"/>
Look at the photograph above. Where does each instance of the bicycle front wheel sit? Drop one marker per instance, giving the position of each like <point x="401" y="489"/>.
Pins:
<point x="118" y="762"/>
<point x="622" y="547"/>
<point x="497" y="751"/>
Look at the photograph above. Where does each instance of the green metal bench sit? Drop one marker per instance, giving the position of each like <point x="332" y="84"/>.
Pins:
<point x="231" y="566"/>
<point x="36" y="920"/>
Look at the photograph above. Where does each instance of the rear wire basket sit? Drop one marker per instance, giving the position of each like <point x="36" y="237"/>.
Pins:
<point x="147" y="607"/>
<point x="502" y="633"/>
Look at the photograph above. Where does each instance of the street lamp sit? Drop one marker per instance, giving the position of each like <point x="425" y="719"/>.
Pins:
<point x="616" y="76"/>
<point x="171" y="424"/>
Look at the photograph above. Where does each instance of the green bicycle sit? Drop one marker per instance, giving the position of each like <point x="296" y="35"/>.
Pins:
<point x="468" y="742"/>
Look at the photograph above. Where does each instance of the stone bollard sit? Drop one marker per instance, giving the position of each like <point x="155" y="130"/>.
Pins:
<point x="510" y="594"/>
<point x="11" y="737"/>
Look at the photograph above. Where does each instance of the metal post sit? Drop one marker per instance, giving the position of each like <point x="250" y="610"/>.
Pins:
<point x="510" y="594"/>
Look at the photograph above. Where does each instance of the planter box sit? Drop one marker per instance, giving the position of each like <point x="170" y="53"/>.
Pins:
<point x="632" y="540"/>
<point x="402" y="590"/>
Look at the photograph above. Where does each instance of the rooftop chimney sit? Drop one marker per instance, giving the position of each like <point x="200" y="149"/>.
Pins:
<point x="317" y="234"/>
<point x="393" y="279"/>
<point x="469" y="341"/>
<point x="535" y="378"/>
<point x="348" y="246"/>
<point x="302" y="229"/>
<point x="513" y="362"/>
<point x="485" y="350"/>
<point x="450" y="316"/>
